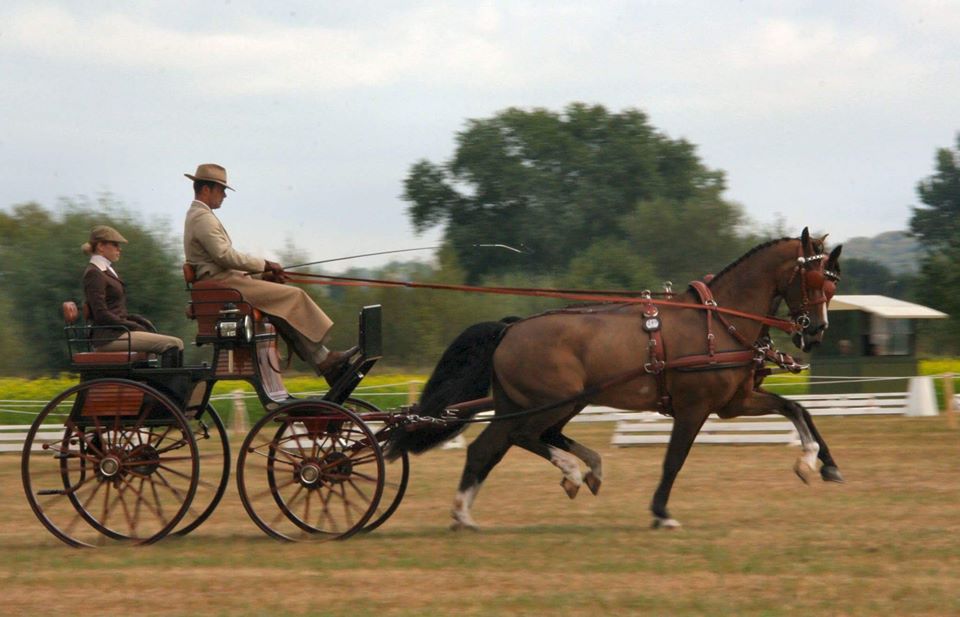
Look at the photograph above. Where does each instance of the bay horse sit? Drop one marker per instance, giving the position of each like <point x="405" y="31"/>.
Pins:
<point x="667" y="355"/>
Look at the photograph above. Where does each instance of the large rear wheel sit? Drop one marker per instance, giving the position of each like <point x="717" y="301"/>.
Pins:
<point x="110" y="459"/>
<point x="310" y="471"/>
<point x="214" y="448"/>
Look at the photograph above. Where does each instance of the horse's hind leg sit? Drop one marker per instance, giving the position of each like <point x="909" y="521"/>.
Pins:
<point x="482" y="456"/>
<point x="558" y="455"/>
<point x="594" y="477"/>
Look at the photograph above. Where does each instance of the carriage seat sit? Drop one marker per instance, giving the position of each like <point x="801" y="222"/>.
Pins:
<point x="207" y="298"/>
<point x="79" y="335"/>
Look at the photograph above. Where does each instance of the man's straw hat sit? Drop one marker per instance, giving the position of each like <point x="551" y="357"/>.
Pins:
<point x="211" y="172"/>
<point x="102" y="233"/>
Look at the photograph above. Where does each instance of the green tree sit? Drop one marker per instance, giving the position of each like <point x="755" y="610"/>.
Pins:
<point x="936" y="226"/>
<point x="559" y="183"/>
<point x="864" y="276"/>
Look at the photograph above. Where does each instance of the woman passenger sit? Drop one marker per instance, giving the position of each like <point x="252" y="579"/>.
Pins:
<point x="105" y="294"/>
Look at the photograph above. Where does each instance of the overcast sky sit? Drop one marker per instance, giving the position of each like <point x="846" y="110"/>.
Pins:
<point x="823" y="113"/>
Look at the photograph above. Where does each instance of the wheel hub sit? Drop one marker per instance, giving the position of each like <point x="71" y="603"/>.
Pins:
<point x="148" y="460"/>
<point x="309" y="474"/>
<point x="109" y="466"/>
<point x="337" y="467"/>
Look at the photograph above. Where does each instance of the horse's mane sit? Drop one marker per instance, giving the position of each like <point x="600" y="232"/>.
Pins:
<point x="746" y="255"/>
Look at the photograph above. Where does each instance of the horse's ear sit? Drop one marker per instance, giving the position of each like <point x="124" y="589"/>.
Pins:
<point x="835" y="255"/>
<point x="833" y="261"/>
<point x="805" y="237"/>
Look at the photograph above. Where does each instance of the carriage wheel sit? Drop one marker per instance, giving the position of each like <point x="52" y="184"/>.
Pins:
<point x="110" y="459"/>
<point x="397" y="471"/>
<point x="214" y="447"/>
<point x="310" y="470"/>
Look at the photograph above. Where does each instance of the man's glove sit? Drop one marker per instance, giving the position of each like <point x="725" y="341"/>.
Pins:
<point x="273" y="272"/>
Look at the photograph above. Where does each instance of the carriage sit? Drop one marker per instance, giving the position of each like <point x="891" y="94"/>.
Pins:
<point x="135" y="451"/>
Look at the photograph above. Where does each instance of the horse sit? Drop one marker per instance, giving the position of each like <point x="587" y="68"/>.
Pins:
<point x="664" y="354"/>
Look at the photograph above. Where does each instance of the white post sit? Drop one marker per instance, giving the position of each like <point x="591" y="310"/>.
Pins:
<point x="239" y="423"/>
<point x="949" y="402"/>
<point x="921" y="397"/>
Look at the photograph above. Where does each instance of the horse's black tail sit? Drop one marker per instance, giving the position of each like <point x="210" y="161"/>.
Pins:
<point x="463" y="374"/>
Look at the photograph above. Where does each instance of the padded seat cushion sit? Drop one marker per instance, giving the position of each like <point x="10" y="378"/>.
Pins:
<point x="109" y="357"/>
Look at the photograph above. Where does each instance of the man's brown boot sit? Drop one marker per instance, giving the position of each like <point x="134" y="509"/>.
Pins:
<point x="334" y="359"/>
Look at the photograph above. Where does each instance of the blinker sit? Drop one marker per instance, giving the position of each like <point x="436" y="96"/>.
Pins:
<point x="814" y="279"/>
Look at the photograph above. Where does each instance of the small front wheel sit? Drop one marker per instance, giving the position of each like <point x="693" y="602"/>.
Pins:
<point x="310" y="470"/>
<point x="397" y="471"/>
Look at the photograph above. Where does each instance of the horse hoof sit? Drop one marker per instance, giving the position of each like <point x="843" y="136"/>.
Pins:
<point x="592" y="482"/>
<point x="803" y="471"/>
<point x="570" y="487"/>
<point x="829" y="473"/>
<point x="461" y="526"/>
<point x="666" y="523"/>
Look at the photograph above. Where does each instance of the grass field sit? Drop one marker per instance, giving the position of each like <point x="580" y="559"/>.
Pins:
<point x="755" y="542"/>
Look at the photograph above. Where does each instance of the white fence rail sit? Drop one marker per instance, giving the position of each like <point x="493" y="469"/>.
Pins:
<point x="918" y="400"/>
<point x="632" y="427"/>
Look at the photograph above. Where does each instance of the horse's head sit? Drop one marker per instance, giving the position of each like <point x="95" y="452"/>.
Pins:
<point x="809" y="286"/>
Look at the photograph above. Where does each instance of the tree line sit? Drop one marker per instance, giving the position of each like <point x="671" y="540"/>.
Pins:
<point x="597" y="199"/>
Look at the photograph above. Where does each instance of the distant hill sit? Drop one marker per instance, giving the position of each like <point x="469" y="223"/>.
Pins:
<point x="894" y="249"/>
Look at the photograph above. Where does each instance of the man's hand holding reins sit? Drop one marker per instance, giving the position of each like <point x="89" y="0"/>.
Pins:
<point x="273" y="272"/>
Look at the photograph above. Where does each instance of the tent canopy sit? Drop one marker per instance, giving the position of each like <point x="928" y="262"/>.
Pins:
<point x="891" y="308"/>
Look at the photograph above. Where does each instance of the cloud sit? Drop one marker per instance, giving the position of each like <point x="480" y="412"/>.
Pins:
<point x="262" y="57"/>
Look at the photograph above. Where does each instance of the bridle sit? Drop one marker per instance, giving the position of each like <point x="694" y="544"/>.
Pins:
<point x="817" y="286"/>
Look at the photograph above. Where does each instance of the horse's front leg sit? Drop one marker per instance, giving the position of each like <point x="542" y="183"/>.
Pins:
<point x="813" y="444"/>
<point x="686" y="425"/>
<point x="829" y="470"/>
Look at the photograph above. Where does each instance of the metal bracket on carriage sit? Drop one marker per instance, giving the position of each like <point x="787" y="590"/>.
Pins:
<point x="414" y="422"/>
<point x="452" y="413"/>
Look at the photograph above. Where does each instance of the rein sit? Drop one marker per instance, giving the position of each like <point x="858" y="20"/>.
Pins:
<point x="598" y="296"/>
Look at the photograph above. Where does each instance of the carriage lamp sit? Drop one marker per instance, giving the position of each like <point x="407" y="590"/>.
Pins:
<point x="234" y="326"/>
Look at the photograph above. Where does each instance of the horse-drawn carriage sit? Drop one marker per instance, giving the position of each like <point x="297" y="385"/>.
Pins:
<point x="136" y="452"/>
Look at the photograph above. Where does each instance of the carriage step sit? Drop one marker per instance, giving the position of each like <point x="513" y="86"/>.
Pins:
<point x="52" y="491"/>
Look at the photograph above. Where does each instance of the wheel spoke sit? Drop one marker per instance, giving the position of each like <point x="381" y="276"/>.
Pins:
<point x="271" y="490"/>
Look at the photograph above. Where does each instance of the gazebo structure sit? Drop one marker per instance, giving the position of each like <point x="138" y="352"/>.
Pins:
<point x="869" y="336"/>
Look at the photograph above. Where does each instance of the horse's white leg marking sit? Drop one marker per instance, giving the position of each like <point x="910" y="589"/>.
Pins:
<point x="461" y="509"/>
<point x="570" y="466"/>
<point x="810" y="452"/>
<point x="806" y="465"/>
<point x="666" y="523"/>
<point x="594" y="476"/>
<point x="823" y="316"/>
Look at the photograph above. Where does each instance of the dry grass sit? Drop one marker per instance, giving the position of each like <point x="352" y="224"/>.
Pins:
<point x="755" y="542"/>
